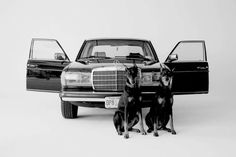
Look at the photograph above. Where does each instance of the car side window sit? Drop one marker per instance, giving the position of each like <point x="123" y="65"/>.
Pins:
<point x="190" y="51"/>
<point x="47" y="50"/>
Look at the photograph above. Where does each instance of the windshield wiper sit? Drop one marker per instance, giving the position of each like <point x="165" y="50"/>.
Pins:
<point x="85" y="60"/>
<point x="95" y="57"/>
<point x="137" y="56"/>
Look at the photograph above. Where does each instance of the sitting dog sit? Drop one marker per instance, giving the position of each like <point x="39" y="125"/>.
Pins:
<point x="161" y="111"/>
<point x="129" y="111"/>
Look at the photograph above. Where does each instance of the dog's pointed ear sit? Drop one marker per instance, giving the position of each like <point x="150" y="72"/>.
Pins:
<point x="172" y="71"/>
<point x="125" y="66"/>
<point x="161" y="68"/>
<point x="126" y="69"/>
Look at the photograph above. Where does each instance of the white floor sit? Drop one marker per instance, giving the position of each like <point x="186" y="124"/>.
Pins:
<point x="31" y="125"/>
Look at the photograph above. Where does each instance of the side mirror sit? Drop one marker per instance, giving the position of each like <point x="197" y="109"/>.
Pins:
<point x="59" y="56"/>
<point x="172" y="57"/>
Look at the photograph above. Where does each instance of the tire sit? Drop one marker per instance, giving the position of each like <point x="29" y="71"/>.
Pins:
<point x="68" y="110"/>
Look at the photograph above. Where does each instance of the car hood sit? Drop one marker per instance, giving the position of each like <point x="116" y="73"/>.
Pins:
<point x="77" y="66"/>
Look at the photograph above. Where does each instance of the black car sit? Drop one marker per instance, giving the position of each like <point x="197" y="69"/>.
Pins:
<point x="97" y="76"/>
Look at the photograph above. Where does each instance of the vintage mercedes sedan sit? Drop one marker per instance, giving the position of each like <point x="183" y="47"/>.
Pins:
<point x="97" y="76"/>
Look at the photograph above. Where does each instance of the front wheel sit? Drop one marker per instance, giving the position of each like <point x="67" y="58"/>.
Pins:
<point x="68" y="110"/>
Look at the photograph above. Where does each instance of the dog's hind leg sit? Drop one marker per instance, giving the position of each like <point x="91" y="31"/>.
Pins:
<point x="118" y="122"/>
<point x="163" y="124"/>
<point x="163" y="121"/>
<point x="165" y="129"/>
<point x="149" y="122"/>
<point x="134" y="130"/>
<point x="171" y="129"/>
<point x="132" y="123"/>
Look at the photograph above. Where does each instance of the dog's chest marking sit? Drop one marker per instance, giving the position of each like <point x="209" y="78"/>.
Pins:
<point x="130" y="99"/>
<point x="160" y="100"/>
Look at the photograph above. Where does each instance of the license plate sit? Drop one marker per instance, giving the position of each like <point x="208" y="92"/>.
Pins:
<point x="111" y="102"/>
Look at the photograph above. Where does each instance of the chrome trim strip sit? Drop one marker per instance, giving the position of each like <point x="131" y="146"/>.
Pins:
<point x="90" y="93"/>
<point x="41" y="69"/>
<point x="148" y="92"/>
<point x="195" y="71"/>
<point x="188" y="93"/>
<point x="83" y="99"/>
<point x="43" y="90"/>
<point x="99" y="93"/>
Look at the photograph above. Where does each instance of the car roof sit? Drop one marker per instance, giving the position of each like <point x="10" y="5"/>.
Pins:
<point x="117" y="39"/>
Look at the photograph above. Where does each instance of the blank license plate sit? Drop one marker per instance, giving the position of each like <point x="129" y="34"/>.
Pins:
<point x="111" y="102"/>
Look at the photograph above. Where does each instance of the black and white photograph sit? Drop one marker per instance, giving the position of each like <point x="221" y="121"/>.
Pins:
<point x="117" y="78"/>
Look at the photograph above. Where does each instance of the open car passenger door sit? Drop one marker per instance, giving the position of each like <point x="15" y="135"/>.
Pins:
<point x="188" y="61"/>
<point x="46" y="61"/>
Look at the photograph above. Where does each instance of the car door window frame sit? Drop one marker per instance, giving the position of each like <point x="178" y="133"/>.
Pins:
<point x="189" y="41"/>
<point x="42" y="39"/>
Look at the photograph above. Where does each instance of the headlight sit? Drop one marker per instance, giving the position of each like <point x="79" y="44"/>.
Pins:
<point x="150" y="78"/>
<point x="76" y="79"/>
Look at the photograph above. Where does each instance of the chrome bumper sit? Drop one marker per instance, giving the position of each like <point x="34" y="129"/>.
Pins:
<point x="92" y="96"/>
<point x="83" y="99"/>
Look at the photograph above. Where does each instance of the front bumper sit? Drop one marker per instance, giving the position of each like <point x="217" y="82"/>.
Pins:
<point x="97" y="99"/>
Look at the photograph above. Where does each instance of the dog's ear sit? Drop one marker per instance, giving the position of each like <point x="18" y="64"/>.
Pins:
<point x="161" y="68"/>
<point x="128" y="70"/>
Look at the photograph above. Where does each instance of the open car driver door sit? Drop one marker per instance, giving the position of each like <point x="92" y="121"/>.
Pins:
<point x="46" y="61"/>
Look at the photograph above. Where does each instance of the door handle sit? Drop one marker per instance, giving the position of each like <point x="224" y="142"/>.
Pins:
<point x="202" y="68"/>
<point x="32" y="65"/>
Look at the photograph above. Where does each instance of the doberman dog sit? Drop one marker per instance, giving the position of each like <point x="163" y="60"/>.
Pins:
<point x="129" y="111"/>
<point x="161" y="111"/>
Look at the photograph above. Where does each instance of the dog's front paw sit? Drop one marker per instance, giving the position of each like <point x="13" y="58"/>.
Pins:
<point x="143" y="132"/>
<point x="134" y="130"/>
<point x="119" y="133"/>
<point x="167" y="129"/>
<point x="173" y="132"/>
<point x="126" y="136"/>
<point x="149" y="130"/>
<point x="155" y="134"/>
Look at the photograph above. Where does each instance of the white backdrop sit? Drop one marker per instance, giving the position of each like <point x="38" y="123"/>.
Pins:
<point x="70" y="22"/>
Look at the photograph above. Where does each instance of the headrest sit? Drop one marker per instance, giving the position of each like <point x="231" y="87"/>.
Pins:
<point x="100" y="54"/>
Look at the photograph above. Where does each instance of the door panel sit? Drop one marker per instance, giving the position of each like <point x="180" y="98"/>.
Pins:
<point x="190" y="70"/>
<point x="46" y="61"/>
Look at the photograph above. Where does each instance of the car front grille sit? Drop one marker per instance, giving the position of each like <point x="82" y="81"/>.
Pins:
<point x="109" y="80"/>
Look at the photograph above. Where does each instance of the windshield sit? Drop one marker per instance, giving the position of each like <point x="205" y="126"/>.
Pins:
<point x="116" y="49"/>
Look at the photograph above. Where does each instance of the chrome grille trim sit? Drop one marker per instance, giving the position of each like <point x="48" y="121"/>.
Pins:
<point x="108" y="79"/>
